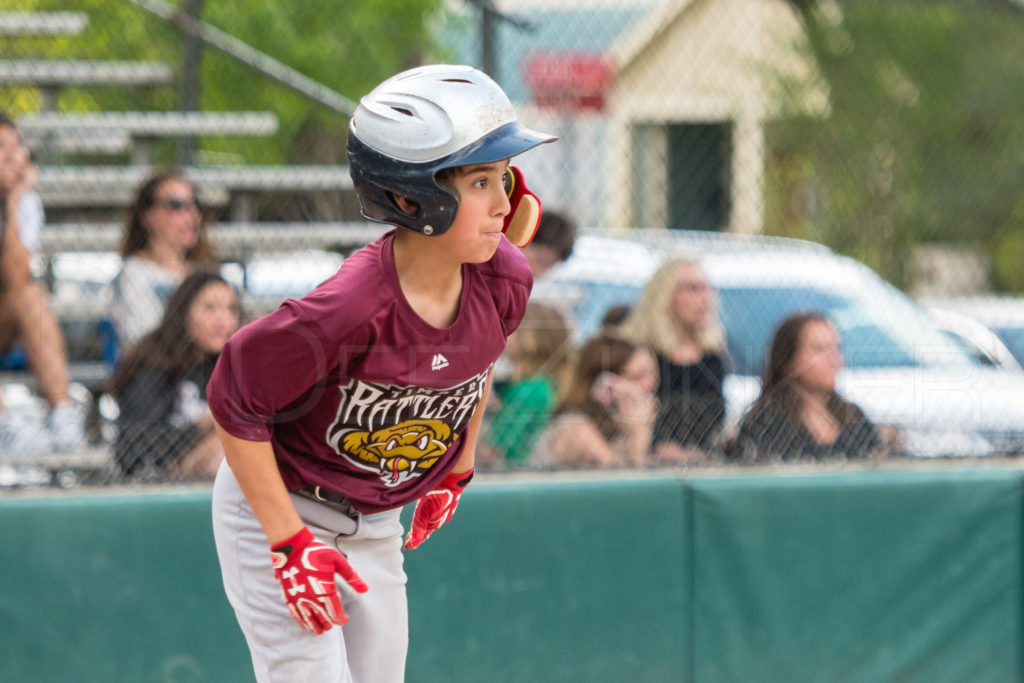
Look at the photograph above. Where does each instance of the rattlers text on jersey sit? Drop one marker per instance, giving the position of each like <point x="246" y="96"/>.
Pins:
<point x="355" y="391"/>
<point x="400" y="433"/>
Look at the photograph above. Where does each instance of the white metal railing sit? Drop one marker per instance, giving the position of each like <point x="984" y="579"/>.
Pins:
<point x="42" y="23"/>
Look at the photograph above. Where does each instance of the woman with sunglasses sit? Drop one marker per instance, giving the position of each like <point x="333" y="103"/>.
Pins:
<point x="164" y="240"/>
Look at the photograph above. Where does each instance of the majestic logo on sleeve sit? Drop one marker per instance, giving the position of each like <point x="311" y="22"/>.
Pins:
<point x="397" y="432"/>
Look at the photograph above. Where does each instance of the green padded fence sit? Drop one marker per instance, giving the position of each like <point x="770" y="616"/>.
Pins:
<point x="114" y="588"/>
<point x="863" y="577"/>
<point x="554" y="582"/>
<point x="856" y="576"/>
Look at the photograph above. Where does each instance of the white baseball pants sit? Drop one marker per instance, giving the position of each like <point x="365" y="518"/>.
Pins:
<point x="370" y="648"/>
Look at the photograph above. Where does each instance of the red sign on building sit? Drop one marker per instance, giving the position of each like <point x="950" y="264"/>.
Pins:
<point x="568" y="80"/>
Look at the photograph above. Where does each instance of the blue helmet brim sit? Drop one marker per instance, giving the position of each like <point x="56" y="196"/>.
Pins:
<point x="504" y="142"/>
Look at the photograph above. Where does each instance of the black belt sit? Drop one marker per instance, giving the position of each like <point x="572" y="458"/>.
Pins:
<point x="331" y="499"/>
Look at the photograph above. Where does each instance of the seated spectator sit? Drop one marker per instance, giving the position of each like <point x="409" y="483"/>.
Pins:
<point x="611" y="321"/>
<point x="165" y="427"/>
<point x="799" y="415"/>
<point x="26" y="322"/>
<point x="163" y="241"/>
<point x="553" y="242"/>
<point x="607" y="414"/>
<point x="538" y="352"/>
<point x="676" y="317"/>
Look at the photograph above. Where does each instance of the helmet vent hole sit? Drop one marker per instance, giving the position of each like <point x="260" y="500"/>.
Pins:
<point x="455" y="80"/>
<point x="402" y="110"/>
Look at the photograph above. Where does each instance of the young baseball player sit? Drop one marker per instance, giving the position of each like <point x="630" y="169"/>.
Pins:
<point x="367" y="394"/>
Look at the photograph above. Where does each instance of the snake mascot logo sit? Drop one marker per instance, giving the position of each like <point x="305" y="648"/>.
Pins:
<point x="402" y="451"/>
<point x="399" y="433"/>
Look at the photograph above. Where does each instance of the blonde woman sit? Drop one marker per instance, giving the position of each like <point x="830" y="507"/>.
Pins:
<point x="676" y="317"/>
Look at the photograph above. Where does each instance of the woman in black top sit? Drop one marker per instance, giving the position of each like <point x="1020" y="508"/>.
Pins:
<point x="165" y="427"/>
<point x="799" y="415"/>
<point x="676" y="316"/>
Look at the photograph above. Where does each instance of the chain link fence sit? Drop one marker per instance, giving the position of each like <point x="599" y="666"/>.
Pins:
<point x="858" y="159"/>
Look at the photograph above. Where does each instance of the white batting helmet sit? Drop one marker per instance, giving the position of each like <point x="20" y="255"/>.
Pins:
<point x="419" y="122"/>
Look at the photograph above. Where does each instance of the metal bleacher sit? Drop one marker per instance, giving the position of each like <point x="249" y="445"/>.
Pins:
<point x="84" y="201"/>
<point x="42" y="23"/>
<point x="57" y="144"/>
<point x="53" y="76"/>
<point x="109" y="186"/>
<point x="140" y="128"/>
<point x="76" y="193"/>
<point x="233" y="240"/>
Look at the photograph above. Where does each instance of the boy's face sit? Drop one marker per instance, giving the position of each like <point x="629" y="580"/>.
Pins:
<point x="483" y="204"/>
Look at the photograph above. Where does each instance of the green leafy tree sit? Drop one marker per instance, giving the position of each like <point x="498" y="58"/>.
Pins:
<point x="924" y="140"/>
<point x="116" y="31"/>
<point x="348" y="45"/>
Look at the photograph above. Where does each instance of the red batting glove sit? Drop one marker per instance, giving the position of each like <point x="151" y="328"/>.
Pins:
<point x="306" y="568"/>
<point x="436" y="508"/>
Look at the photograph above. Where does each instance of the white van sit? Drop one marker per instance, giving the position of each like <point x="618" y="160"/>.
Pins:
<point x="902" y="369"/>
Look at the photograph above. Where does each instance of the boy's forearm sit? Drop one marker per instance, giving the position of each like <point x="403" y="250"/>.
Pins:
<point x="255" y="467"/>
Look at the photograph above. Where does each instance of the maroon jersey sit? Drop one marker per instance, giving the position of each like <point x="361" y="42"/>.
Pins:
<point x="355" y="391"/>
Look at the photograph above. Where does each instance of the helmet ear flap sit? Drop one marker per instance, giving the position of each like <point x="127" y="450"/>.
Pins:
<point x="380" y="180"/>
<point x="445" y="179"/>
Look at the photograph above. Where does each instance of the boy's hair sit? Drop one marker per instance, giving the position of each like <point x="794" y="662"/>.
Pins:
<point x="614" y="317"/>
<point x="557" y="232"/>
<point x="414" y="126"/>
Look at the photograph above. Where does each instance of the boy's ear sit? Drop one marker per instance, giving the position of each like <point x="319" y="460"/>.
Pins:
<point x="406" y="205"/>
